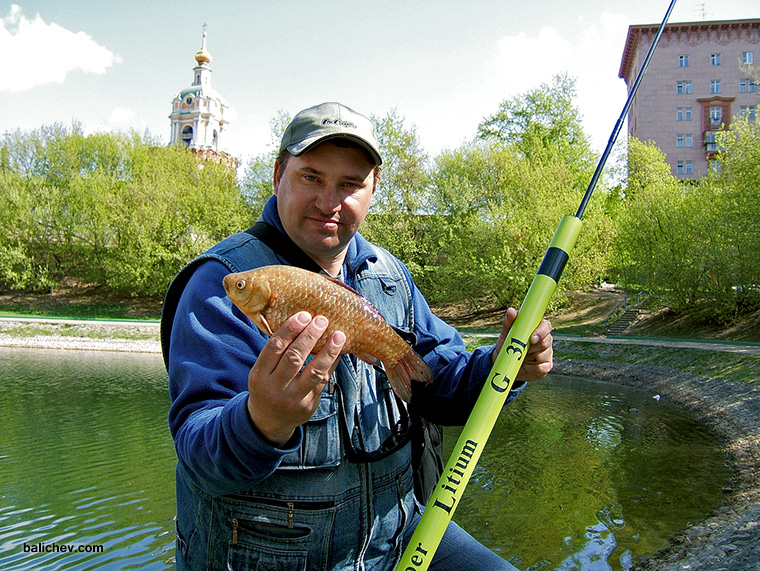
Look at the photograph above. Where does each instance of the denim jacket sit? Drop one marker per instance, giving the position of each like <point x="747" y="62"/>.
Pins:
<point x="243" y="503"/>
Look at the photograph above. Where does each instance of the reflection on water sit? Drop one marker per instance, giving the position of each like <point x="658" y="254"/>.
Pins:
<point x="590" y="475"/>
<point x="86" y="461"/>
<point x="577" y="475"/>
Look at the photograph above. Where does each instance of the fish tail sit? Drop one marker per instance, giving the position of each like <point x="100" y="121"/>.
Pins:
<point x="410" y="368"/>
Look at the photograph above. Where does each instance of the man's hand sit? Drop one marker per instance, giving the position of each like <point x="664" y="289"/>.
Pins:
<point x="283" y="393"/>
<point x="539" y="359"/>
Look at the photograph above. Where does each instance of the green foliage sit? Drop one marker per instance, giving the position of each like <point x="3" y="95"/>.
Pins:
<point x="654" y="235"/>
<point x="472" y="224"/>
<point x="395" y="220"/>
<point x="686" y="243"/>
<point x="404" y="170"/>
<point x="543" y="118"/>
<point x="107" y="209"/>
<point x="256" y="185"/>
<point x="503" y="208"/>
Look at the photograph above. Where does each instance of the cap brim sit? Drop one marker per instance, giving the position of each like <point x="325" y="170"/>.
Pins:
<point x="301" y="147"/>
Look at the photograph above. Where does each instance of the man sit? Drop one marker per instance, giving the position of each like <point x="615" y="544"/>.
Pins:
<point x="288" y="461"/>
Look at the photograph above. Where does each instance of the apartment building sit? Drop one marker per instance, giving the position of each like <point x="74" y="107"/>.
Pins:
<point x="702" y="75"/>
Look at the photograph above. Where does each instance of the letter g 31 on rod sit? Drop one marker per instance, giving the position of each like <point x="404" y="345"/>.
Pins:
<point x="466" y="453"/>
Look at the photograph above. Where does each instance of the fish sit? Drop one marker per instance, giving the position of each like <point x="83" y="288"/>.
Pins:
<point x="269" y="295"/>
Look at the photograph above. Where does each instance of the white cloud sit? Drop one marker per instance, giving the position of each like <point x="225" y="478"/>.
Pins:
<point x="522" y="63"/>
<point x="120" y="116"/>
<point x="44" y="53"/>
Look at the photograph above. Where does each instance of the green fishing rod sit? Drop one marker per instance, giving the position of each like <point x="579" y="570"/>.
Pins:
<point x="472" y="440"/>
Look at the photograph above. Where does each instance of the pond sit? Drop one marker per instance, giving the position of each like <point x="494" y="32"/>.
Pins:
<point x="577" y="474"/>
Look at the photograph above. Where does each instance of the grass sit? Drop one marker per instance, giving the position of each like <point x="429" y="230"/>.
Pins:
<point x="736" y="367"/>
<point x="77" y="330"/>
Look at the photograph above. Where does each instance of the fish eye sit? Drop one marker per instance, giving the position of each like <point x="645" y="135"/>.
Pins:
<point x="240" y="284"/>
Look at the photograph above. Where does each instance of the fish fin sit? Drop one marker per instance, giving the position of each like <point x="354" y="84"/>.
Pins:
<point x="340" y="283"/>
<point x="261" y="322"/>
<point x="369" y="359"/>
<point x="410" y="368"/>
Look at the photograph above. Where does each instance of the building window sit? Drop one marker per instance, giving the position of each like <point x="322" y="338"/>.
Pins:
<point x="748" y="111"/>
<point x="710" y="145"/>
<point x="683" y="113"/>
<point x="187" y="135"/>
<point x="715" y="86"/>
<point x="683" y="60"/>
<point x="684" y="140"/>
<point x="748" y="58"/>
<point x="747" y="85"/>
<point x="684" y="167"/>
<point x="716" y="116"/>
<point x="683" y="87"/>
<point x="714" y="59"/>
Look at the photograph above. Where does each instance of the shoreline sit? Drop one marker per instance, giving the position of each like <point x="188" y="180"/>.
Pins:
<point x="729" y="538"/>
<point x="80" y="335"/>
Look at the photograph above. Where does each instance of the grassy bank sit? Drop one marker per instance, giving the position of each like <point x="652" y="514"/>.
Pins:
<point x="584" y="316"/>
<point x="717" y="365"/>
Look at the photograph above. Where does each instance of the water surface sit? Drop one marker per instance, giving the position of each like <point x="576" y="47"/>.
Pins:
<point x="590" y="475"/>
<point x="577" y="475"/>
<point x="86" y="461"/>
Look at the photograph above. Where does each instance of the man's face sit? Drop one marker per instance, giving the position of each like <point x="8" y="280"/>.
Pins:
<point x="323" y="197"/>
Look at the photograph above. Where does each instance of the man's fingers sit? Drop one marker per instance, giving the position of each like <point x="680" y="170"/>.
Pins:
<point x="280" y="342"/>
<point x="319" y="370"/>
<point x="292" y="343"/>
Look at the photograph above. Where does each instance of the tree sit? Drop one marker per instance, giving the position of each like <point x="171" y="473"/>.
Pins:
<point x="544" y="118"/>
<point x="661" y="230"/>
<point x="107" y="209"/>
<point x="404" y="170"/>
<point x="503" y="206"/>
<point x="256" y="185"/>
<point x="395" y="220"/>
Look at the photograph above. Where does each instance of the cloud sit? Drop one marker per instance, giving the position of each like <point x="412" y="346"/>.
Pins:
<point x="121" y="116"/>
<point x="44" y="53"/>
<point x="522" y="63"/>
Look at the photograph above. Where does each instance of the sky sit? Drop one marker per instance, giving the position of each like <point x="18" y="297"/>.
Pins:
<point x="442" y="65"/>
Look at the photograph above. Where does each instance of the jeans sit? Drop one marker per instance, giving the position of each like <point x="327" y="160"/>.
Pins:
<point x="459" y="551"/>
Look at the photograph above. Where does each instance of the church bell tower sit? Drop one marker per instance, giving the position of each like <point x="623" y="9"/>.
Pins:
<point x="197" y="117"/>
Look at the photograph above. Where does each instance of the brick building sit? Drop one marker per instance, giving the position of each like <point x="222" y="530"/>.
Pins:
<point x="701" y="76"/>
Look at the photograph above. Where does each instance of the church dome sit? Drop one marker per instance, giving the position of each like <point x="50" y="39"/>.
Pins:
<point x="202" y="56"/>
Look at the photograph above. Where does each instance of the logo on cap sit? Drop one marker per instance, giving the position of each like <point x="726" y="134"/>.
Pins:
<point x="346" y="124"/>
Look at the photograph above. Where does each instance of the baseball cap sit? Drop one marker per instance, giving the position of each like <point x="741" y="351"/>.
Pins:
<point x="329" y="121"/>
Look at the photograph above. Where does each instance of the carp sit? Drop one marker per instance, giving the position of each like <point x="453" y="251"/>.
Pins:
<point x="269" y="295"/>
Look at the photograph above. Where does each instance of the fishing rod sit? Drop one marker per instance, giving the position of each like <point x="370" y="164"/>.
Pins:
<point x="466" y="453"/>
